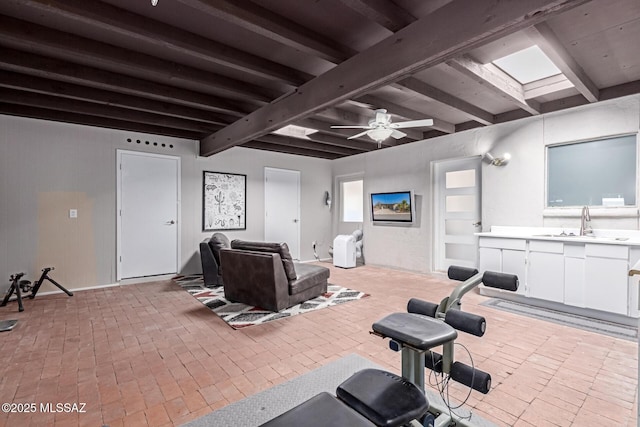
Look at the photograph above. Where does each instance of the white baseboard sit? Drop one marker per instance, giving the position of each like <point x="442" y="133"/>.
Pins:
<point x="124" y="282"/>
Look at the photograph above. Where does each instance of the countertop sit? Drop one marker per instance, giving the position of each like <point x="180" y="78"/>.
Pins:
<point x="601" y="236"/>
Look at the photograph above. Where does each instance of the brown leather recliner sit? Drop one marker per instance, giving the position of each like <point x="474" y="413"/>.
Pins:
<point x="210" y="258"/>
<point x="264" y="275"/>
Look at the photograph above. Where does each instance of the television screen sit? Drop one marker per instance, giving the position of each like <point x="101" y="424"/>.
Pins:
<point x="392" y="207"/>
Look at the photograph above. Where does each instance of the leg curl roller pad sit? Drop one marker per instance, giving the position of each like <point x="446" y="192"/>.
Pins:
<point x="471" y="377"/>
<point x="419" y="306"/>
<point x="461" y="273"/>
<point x="466" y="322"/>
<point x="508" y="282"/>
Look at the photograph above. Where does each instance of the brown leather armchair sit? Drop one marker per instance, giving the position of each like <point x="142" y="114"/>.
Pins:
<point x="264" y="275"/>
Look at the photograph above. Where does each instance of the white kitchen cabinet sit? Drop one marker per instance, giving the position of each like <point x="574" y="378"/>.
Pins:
<point x="490" y="259"/>
<point x="606" y="284"/>
<point x="515" y="262"/>
<point x="574" y="281"/>
<point x="545" y="276"/>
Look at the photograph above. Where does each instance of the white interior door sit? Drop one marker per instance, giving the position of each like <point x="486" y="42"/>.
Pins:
<point x="148" y="214"/>
<point x="282" y="208"/>
<point x="457" y="195"/>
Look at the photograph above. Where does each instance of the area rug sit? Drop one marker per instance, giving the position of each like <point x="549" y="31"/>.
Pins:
<point x="238" y="315"/>
<point x="615" y="330"/>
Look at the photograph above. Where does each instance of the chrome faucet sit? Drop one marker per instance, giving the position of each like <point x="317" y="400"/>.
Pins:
<point x="585" y="219"/>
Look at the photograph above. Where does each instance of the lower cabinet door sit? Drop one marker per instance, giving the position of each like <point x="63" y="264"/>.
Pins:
<point x="606" y="284"/>
<point x="513" y="262"/>
<point x="545" y="279"/>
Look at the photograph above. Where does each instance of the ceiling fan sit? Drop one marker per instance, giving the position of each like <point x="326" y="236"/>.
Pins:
<point x="381" y="128"/>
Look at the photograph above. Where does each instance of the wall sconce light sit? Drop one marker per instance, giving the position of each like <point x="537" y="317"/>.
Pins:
<point x="154" y="2"/>
<point x="327" y="198"/>
<point x="496" y="161"/>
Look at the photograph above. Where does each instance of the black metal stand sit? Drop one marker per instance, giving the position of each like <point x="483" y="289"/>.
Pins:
<point x="43" y="277"/>
<point x="16" y="283"/>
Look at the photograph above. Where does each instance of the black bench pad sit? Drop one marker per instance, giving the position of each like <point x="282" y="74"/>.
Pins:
<point x="418" y="331"/>
<point x="322" y="410"/>
<point x="384" y="398"/>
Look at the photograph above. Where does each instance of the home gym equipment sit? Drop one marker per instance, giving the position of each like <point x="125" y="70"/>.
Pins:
<point x="373" y="397"/>
<point x="45" y="276"/>
<point x="23" y="286"/>
<point x="16" y="286"/>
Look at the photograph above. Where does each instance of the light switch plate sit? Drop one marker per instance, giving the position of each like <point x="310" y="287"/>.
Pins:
<point x="73" y="213"/>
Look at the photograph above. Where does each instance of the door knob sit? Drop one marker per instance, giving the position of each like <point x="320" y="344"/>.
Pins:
<point x="295" y="220"/>
<point x="170" y="222"/>
<point x="477" y="224"/>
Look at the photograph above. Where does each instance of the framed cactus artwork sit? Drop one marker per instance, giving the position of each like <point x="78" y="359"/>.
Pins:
<point x="224" y="201"/>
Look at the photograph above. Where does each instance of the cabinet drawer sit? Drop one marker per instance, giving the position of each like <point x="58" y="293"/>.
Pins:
<point x="546" y="246"/>
<point x="573" y="250"/>
<point x="501" y="243"/>
<point x="607" y="251"/>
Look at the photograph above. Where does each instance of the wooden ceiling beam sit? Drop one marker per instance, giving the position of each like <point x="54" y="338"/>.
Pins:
<point x="54" y="69"/>
<point x="18" y="81"/>
<point x="32" y="99"/>
<point x="307" y="144"/>
<point x="401" y="54"/>
<point x="105" y="17"/>
<point x="45" y="41"/>
<point x="264" y="22"/>
<point x="495" y="80"/>
<point x="102" y="122"/>
<point x="290" y="150"/>
<point x="548" y="42"/>
<point x="431" y="92"/>
<point x="384" y="12"/>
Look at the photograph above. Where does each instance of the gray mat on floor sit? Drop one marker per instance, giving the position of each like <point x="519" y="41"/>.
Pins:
<point x="261" y="407"/>
<point x="615" y="330"/>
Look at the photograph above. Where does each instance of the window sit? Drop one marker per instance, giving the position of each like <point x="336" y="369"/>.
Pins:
<point x="352" y="196"/>
<point x="593" y="173"/>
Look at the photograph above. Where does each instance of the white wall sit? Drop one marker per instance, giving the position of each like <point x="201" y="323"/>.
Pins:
<point x="511" y="195"/>
<point x="47" y="168"/>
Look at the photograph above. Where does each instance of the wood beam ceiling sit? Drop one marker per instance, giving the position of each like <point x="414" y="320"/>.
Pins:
<point x="103" y="122"/>
<point x="35" y="38"/>
<point x="401" y="54"/>
<point x="548" y="42"/>
<point x="424" y="89"/>
<point x="105" y="17"/>
<point x="264" y="22"/>
<point x="55" y="69"/>
<point x="384" y="12"/>
<point x="72" y="92"/>
<point x="495" y="80"/>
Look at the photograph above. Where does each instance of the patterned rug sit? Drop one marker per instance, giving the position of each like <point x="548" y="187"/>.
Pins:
<point x="238" y="315"/>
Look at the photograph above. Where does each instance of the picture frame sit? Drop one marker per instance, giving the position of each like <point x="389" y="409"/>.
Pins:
<point x="224" y="201"/>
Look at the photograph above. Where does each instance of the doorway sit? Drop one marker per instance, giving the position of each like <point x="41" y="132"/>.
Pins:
<point x="282" y="208"/>
<point x="457" y="216"/>
<point x="148" y="214"/>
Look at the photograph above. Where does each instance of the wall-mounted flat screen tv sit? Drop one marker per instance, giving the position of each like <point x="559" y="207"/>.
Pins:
<point x="396" y="207"/>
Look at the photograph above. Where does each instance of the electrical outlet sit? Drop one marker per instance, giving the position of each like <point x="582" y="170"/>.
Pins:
<point x="73" y="213"/>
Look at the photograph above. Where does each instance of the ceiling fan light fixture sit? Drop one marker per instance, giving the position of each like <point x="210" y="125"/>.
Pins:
<point x="379" y="134"/>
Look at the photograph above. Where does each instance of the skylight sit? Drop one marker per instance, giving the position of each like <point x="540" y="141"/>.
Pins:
<point x="527" y="65"/>
<point x="295" y="131"/>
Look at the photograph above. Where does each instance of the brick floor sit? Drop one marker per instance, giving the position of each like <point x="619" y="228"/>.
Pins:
<point x="150" y="354"/>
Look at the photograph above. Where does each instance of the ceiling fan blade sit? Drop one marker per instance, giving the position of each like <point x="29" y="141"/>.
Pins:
<point x="358" y="135"/>
<point x="397" y="134"/>
<point x="351" y="127"/>
<point x="412" y="124"/>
